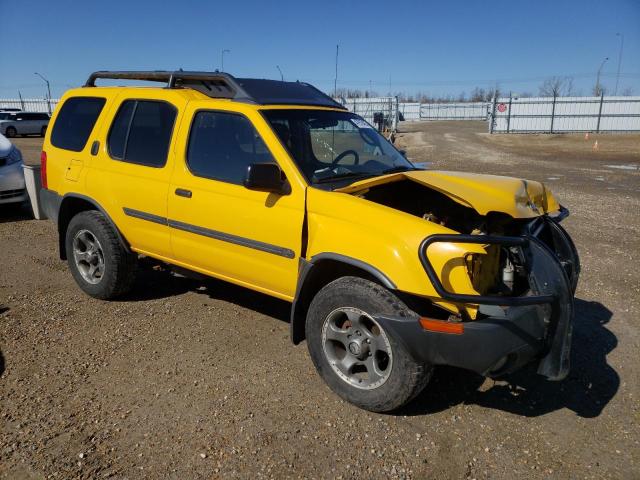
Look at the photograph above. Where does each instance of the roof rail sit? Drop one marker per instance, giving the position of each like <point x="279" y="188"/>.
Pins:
<point x="223" y="85"/>
<point x="212" y="84"/>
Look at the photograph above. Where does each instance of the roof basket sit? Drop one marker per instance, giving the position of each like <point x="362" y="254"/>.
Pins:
<point x="223" y="85"/>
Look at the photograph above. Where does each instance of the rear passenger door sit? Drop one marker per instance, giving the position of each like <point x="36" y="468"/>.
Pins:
<point x="133" y="165"/>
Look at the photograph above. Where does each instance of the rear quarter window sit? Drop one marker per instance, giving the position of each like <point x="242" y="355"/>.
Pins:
<point x="141" y="132"/>
<point x="75" y="121"/>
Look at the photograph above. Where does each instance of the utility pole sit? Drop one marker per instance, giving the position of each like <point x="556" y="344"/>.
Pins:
<point x="224" y="50"/>
<point x="335" y="80"/>
<point x="281" y="76"/>
<point x="621" y="35"/>
<point x="48" y="91"/>
<point x="598" y="92"/>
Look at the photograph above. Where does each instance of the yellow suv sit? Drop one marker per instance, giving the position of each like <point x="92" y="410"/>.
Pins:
<point x="274" y="186"/>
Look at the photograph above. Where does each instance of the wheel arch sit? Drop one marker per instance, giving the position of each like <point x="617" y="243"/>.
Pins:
<point x="317" y="272"/>
<point x="73" y="204"/>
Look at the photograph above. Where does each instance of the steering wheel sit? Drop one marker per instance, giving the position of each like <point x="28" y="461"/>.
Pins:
<point x="344" y="154"/>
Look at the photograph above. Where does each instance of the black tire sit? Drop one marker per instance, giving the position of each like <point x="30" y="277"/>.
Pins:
<point x="43" y="131"/>
<point x="407" y="377"/>
<point x="119" y="265"/>
<point x="11" y="132"/>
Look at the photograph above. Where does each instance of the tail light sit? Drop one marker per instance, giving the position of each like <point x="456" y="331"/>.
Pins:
<point x="43" y="169"/>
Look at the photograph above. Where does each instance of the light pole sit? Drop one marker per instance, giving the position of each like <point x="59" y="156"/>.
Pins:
<point x="281" y="76"/>
<point x="224" y="50"/>
<point x="619" y="61"/>
<point x="598" y="92"/>
<point x="335" y="80"/>
<point x="48" y="91"/>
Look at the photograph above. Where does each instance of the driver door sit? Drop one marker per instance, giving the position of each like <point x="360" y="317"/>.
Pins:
<point x="218" y="226"/>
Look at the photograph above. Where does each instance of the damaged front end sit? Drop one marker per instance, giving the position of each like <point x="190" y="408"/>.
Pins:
<point x="520" y="304"/>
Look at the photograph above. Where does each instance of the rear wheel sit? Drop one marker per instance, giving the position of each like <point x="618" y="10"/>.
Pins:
<point x="99" y="263"/>
<point x="359" y="360"/>
<point x="43" y="131"/>
<point x="11" y="132"/>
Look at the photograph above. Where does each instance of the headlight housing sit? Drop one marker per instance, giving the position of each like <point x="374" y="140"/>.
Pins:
<point x="14" y="156"/>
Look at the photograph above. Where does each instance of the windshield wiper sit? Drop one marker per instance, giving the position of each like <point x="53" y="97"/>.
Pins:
<point x="340" y="176"/>
<point x="399" y="168"/>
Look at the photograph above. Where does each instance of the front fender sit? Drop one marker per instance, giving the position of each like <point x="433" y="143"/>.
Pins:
<point x="388" y="240"/>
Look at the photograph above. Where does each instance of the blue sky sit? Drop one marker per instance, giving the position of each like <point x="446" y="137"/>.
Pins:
<point x="434" y="47"/>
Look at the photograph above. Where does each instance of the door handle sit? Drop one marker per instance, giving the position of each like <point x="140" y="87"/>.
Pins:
<point x="181" y="192"/>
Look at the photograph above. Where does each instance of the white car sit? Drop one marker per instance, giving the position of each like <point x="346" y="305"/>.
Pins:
<point x="12" y="187"/>
<point x="13" y="124"/>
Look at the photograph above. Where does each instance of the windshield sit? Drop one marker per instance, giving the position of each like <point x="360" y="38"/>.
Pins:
<point x="330" y="146"/>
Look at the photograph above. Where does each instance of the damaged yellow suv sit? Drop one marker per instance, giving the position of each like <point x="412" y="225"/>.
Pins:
<point x="274" y="186"/>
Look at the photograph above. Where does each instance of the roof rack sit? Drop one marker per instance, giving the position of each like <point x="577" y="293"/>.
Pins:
<point x="223" y="85"/>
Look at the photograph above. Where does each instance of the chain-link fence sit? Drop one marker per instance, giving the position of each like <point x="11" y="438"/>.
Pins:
<point x="367" y="108"/>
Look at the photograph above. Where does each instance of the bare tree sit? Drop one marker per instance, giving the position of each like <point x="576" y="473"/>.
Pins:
<point x="477" y="95"/>
<point x="599" y="89"/>
<point x="627" y="92"/>
<point x="556" y="87"/>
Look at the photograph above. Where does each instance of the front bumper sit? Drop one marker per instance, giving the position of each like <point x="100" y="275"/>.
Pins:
<point x="510" y="331"/>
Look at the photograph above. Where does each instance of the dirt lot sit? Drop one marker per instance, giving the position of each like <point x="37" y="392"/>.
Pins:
<point x="190" y="379"/>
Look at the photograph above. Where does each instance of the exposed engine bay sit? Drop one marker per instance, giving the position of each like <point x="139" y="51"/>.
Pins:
<point x="501" y="271"/>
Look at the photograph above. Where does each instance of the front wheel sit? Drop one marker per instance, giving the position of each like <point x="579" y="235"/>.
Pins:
<point x="99" y="263"/>
<point x="11" y="132"/>
<point x="356" y="357"/>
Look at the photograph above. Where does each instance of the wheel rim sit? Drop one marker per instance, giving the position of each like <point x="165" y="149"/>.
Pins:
<point x="357" y="348"/>
<point x="88" y="256"/>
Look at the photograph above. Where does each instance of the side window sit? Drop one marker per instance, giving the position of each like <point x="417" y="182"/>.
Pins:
<point x="141" y="132"/>
<point x="75" y="121"/>
<point x="222" y="145"/>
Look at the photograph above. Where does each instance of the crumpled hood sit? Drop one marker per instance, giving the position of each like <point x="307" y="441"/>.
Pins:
<point x="484" y="193"/>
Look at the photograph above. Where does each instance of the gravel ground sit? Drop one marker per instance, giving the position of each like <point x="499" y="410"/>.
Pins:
<point x="198" y="379"/>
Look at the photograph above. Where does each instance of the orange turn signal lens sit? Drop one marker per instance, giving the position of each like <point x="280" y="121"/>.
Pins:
<point x="441" y="326"/>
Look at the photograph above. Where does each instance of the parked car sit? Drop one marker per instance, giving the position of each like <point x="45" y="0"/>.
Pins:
<point x="274" y="186"/>
<point x="12" y="187"/>
<point x="13" y="124"/>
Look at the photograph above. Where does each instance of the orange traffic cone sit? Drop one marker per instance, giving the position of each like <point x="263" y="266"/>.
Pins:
<point x="586" y="136"/>
<point x="595" y="146"/>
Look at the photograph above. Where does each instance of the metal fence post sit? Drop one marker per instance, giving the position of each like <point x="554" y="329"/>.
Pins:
<point x="492" y="117"/>
<point x="600" y="112"/>
<point x="396" y="114"/>
<point x="553" y="112"/>
<point x="509" y="113"/>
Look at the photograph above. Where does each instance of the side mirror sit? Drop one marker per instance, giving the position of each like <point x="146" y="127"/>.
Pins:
<point x="265" y="177"/>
